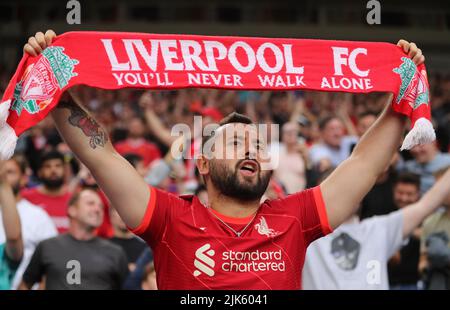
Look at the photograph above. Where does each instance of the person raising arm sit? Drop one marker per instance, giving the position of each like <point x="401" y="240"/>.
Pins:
<point x="180" y="229"/>
<point x="90" y="143"/>
<point x="351" y="181"/>
<point x="416" y="213"/>
<point x="125" y="188"/>
<point x="12" y="249"/>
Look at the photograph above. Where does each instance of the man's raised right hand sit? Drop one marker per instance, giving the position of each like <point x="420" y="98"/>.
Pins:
<point x="39" y="42"/>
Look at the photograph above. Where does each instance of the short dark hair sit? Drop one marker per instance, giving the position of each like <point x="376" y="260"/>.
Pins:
<point x="76" y="196"/>
<point x="200" y="188"/>
<point x="408" y="178"/>
<point x="133" y="158"/>
<point x="49" y="155"/>
<point x="235" y="117"/>
<point x="231" y="118"/>
<point x="323" y="122"/>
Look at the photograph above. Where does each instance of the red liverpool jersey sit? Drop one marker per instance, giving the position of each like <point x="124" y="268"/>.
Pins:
<point x="55" y="206"/>
<point x="194" y="247"/>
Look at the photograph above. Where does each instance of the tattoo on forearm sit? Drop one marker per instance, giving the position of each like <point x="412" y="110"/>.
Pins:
<point x="91" y="129"/>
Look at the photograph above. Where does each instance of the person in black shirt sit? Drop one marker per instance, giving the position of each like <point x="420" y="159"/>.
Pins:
<point x="78" y="259"/>
<point x="403" y="267"/>
<point x="132" y="245"/>
<point x="380" y="200"/>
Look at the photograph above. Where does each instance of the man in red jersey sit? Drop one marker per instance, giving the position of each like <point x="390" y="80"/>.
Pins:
<point x="52" y="195"/>
<point x="234" y="242"/>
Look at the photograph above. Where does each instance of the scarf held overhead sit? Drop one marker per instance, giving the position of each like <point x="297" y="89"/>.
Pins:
<point x="113" y="60"/>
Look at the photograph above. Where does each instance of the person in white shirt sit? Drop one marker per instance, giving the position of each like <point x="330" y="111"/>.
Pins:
<point x="335" y="146"/>
<point x="11" y="244"/>
<point x="36" y="223"/>
<point x="291" y="169"/>
<point x="355" y="255"/>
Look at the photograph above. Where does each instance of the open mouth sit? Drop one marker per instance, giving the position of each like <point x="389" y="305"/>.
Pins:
<point x="249" y="167"/>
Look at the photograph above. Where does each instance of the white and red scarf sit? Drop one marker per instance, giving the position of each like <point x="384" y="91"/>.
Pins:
<point x="113" y="60"/>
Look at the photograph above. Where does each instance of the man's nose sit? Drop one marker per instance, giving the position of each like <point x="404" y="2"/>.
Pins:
<point x="98" y="210"/>
<point x="250" y="150"/>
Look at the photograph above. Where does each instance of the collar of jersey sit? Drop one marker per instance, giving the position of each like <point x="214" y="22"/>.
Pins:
<point x="233" y="220"/>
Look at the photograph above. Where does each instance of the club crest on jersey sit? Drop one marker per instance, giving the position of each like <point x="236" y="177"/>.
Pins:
<point x="414" y="88"/>
<point x="263" y="228"/>
<point x="42" y="79"/>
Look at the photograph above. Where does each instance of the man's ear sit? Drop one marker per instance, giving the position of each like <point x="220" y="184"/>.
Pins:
<point x="202" y="165"/>
<point x="71" y="211"/>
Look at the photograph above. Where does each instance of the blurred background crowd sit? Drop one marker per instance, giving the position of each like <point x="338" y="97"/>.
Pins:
<point x="317" y="131"/>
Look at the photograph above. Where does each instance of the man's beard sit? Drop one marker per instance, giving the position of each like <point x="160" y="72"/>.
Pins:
<point x="228" y="183"/>
<point x="53" y="184"/>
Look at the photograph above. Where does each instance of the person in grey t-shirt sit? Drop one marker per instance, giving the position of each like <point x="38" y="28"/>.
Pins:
<point x="78" y="259"/>
<point x="355" y="255"/>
